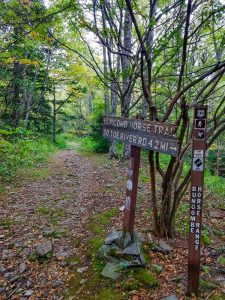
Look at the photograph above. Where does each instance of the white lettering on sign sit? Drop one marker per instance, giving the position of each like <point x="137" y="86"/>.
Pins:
<point x="195" y="213"/>
<point x="127" y="203"/>
<point x="129" y="185"/>
<point x="198" y="153"/>
<point x="130" y="172"/>
<point x="134" y="139"/>
<point x="139" y="125"/>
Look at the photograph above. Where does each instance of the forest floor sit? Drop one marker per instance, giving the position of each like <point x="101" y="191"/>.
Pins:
<point x="68" y="210"/>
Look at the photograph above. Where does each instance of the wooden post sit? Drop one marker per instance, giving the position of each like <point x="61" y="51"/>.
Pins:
<point x="131" y="193"/>
<point x="197" y="178"/>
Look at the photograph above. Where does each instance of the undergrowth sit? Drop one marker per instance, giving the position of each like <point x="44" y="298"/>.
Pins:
<point x="18" y="152"/>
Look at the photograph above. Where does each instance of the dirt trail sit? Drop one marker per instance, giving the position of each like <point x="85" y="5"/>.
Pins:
<point x="71" y="210"/>
<point x="54" y="209"/>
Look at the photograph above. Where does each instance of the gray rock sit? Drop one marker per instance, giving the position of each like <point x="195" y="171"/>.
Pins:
<point x="62" y="203"/>
<point x="122" y="208"/>
<point x="2" y="288"/>
<point x="9" y="275"/>
<point x="127" y="240"/>
<point x="83" y="281"/>
<point x="28" y="293"/>
<point x="19" y="244"/>
<point x="171" y="297"/>
<point x="114" y="235"/>
<point x="73" y="264"/>
<point x="104" y="251"/>
<point x="47" y="232"/>
<point x="137" y="238"/>
<point x="22" y="267"/>
<point x="2" y="236"/>
<point x="63" y="263"/>
<point x="220" y="280"/>
<point x="7" y="254"/>
<point x="2" y="269"/>
<point x="29" y="284"/>
<point x="82" y="270"/>
<point x="111" y="270"/>
<point x="63" y="254"/>
<point x="14" y="279"/>
<point x="130" y="264"/>
<point x="44" y="249"/>
<point x="133" y="249"/>
<point x="157" y="269"/>
<point x="57" y="283"/>
<point x="164" y="246"/>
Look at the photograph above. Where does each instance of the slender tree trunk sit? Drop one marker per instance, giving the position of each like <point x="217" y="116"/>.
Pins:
<point x="54" y="117"/>
<point x="16" y="94"/>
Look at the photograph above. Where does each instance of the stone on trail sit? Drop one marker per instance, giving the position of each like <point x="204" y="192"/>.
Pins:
<point x="9" y="275"/>
<point x="133" y="249"/>
<point x="47" y="232"/>
<point x="122" y="208"/>
<point x="82" y="270"/>
<point x="171" y="297"/>
<point x="7" y="254"/>
<point x="130" y="264"/>
<point x="44" y="248"/>
<point x="2" y="288"/>
<point x="57" y="283"/>
<point x="83" y="281"/>
<point x="104" y="251"/>
<point x="111" y="270"/>
<point x="127" y="240"/>
<point x="22" y="267"/>
<point x="137" y="237"/>
<point x="14" y="279"/>
<point x="164" y="246"/>
<point x="28" y="293"/>
<point x="157" y="269"/>
<point x="114" y="235"/>
<point x="2" y="269"/>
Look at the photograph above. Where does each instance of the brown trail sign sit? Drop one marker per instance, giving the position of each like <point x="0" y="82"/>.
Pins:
<point x="155" y="136"/>
<point x="197" y="177"/>
<point x="151" y="135"/>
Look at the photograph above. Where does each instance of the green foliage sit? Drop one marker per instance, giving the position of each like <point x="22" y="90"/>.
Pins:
<point x="215" y="183"/>
<point x="206" y="285"/>
<point x="205" y="235"/>
<point x="94" y="142"/>
<point x="221" y="261"/>
<point x="19" y="153"/>
<point x="6" y="223"/>
<point x="108" y="294"/>
<point x="146" y="278"/>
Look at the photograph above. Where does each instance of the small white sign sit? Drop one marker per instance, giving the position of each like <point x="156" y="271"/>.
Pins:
<point x="197" y="164"/>
<point x="198" y="153"/>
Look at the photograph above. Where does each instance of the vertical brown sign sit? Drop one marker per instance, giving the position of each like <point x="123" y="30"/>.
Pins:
<point x="197" y="178"/>
<point x="131" y="193"/>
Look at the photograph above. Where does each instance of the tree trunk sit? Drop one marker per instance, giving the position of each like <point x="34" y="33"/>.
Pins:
<point x="54" y="117"/>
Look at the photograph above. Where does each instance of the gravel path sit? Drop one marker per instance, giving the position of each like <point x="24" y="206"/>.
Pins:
<point x="50" y="213"/>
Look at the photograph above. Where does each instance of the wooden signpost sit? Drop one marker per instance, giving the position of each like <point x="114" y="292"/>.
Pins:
<point x="197" y="177"/>
<point x="151" y="135"/>
<point x="155" y="136"/>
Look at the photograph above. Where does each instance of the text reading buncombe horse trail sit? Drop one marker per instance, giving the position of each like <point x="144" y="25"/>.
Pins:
<point x="139" y="125"/>
<point x="150" y="135"/>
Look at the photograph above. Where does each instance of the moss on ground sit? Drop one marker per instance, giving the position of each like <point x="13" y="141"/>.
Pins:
<point x="146" y="278"/>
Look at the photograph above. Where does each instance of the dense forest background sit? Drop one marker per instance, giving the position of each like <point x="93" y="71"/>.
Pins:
<point x="64" y="64"/>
